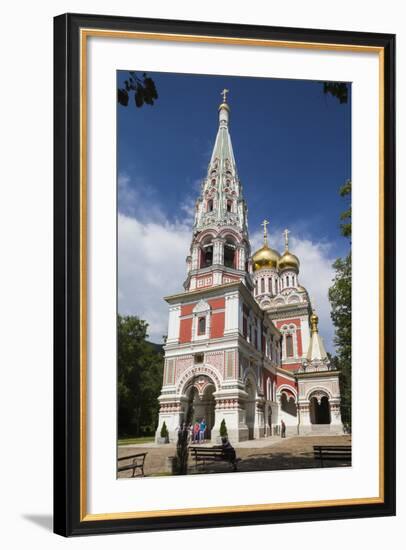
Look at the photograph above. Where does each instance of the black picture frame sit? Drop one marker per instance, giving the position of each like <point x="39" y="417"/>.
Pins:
<point x="68" y="519"/>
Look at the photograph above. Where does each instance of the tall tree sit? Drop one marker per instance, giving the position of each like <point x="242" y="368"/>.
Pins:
<point x="340" y="300"/>
<point x="139" y="373"/>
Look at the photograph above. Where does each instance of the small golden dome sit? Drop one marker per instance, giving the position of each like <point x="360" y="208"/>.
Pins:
<point x="265" y="258"/>
<point x="289" y="261"/>
<point x="314" y="321"/>
<point x="224" y="106"/>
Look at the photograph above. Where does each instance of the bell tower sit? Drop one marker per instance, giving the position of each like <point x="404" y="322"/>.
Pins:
<point x="220" y="248"/>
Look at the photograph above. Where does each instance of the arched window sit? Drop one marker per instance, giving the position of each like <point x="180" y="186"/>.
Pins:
<point x="256" y="287"/>
<point x="262" y="285"/>
<point x="229" y="253"/>
<point x="269" y="390"/>
<point x="229" y="205"/>
<point x="288" y="404"/>
<point x="287" y="280"/>
<point x="207" y="255"/>
<point x="210" y="205"/>
<point x="201" y="326"/>
<point x="289" y="345"/>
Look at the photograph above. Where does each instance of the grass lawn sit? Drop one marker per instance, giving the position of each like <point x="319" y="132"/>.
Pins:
<point x="136" y="440"/>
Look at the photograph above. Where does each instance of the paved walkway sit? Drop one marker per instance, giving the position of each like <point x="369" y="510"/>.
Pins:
<point x="250" y="444"/>
<point x="271" y="453"/>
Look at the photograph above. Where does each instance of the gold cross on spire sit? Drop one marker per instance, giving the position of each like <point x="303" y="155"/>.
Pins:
<point x="264" y="224"/>
<point x="286" y="233"/>
<point x="224" y="94"/>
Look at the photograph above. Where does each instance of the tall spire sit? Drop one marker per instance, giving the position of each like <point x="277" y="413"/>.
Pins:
<point x="223" y="150"/>
<point x="221" y="202"/>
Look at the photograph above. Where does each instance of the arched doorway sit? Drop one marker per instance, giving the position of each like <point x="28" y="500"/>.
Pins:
<point x="288" y="403"/>
<point x="200" y="403"/>
<point x="320" y="409"/>
<point x="250" y="407"/>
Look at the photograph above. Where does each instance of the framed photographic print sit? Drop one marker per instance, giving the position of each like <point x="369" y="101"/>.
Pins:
<point x="224" y="274"/>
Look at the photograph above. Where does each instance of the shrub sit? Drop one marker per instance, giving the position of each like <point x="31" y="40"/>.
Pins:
<point x="164" y="431"/>
<point x="223" y="429"/>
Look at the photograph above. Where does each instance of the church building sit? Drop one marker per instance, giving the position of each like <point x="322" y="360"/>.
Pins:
<point x="243" y="343"/>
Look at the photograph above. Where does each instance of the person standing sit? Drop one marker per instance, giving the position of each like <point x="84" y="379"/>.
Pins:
<point x="283" y="429"/>
<point x="202" y="430"/>
<point x="196" y="430"/>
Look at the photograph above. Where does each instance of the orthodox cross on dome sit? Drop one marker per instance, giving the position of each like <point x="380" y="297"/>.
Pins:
<point x="286" y="233"/>
<point x="224" y="94"/>
<point x="264" y="224"/>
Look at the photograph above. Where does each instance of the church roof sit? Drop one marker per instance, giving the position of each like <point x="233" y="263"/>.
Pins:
<point x="223" y="148"/>
<point x="221" y="202"/>
<point x="316" y="350"/>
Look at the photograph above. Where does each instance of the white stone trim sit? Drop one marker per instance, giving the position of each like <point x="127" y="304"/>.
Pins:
<point x="231" y="321"/>
<point x="199" y="370"/>
<point x="283" y="387"/>
<point x="173" y="324"/>
<point x="201" y="309"/>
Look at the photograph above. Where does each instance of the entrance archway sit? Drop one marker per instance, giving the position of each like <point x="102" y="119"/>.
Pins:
<point x="201" y="401"/>
<point x="320" y="409"/>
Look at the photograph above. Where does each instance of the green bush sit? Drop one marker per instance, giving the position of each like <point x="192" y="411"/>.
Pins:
<point x="223" y="429"/>
<point x="164" y="431"/>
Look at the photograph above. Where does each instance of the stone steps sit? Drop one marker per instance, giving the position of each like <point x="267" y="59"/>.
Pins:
<point x="321" y="429"/>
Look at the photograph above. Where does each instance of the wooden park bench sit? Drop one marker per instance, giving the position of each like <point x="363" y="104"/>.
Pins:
<point x="339" y="453"/>
<point x="212" y="454"/>
<point x="137" y="463"/>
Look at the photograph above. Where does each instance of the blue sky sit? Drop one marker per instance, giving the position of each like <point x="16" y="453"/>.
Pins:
<point x="292" y="145"/>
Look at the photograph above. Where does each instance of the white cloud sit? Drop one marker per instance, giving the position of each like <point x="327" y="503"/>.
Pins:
<point x="151" y="265"/>
<point x="152" y="252"/>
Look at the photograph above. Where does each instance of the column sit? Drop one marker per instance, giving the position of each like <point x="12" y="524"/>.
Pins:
<point x="335" y="412"/>
<point x="304" y="416"/>
<point x="232" y="313"/>
<point x="241" y="258"/>
<point x="218" y="251"/>
<point x="173" y="324"/>
<point x="195" y="256"/>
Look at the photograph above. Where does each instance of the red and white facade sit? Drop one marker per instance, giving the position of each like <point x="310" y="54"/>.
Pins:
<point x="242" y="341"/>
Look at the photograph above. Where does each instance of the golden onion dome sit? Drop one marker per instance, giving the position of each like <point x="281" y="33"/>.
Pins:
<point x="288" y="261"/>
<point x="265" y="258"/>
